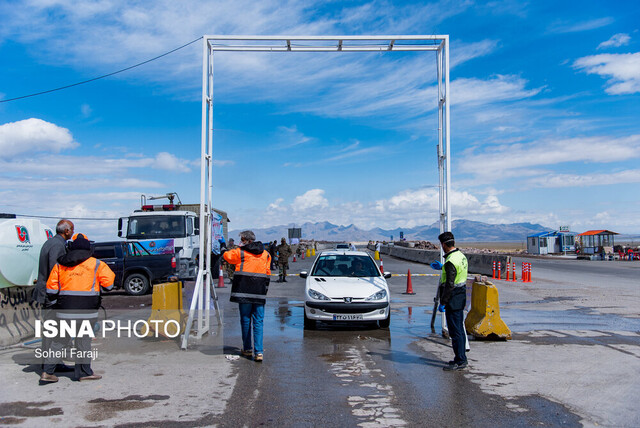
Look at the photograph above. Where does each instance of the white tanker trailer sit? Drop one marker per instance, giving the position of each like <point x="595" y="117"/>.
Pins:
<point x="20" y="242"/>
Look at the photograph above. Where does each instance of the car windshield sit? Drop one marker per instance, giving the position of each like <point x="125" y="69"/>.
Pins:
<point x="345" y="265"/>
<point x="156" y="227"/>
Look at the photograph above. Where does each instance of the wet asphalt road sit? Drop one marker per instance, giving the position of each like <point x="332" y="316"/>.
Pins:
<point x="358" y="374"/>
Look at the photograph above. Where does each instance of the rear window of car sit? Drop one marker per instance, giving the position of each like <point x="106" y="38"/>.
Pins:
<point x="345" y="265"/>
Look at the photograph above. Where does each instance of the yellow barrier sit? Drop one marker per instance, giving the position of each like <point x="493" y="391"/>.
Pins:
<point x="313" y="251"/>
<point x="166" y="305"/>
<point x="483" y="320"/>
<point x="308" y="252"/>
<point x="376" y="255"/>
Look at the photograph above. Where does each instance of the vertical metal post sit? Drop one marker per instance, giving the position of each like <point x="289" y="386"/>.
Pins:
<point x="447" y="130"/>
<point x="441" y="204"/>
<point x="196" y="299"/>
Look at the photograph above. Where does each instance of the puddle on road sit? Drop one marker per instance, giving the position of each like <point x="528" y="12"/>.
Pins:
<point x="103" y="409"/>
<point x="28" y="409"/>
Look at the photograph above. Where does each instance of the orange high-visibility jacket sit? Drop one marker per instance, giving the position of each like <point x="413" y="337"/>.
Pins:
<point x="252" y="275"/>
<point x="78" y="287"/>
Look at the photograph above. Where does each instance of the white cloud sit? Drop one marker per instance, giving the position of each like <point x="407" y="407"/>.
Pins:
<point x="623" y="71"/>
<point x="498" y="162"/>
<point x="86" y="110"/>
<point x="574" y="180"/>
<point x="615" y="41"/>
<point x="311" y="199"/>
<point x="33" y="135"/>
<point x="475" y="91"/>
<point x="290" y="136"/>
<point x="170" y="163"/>
<point x="574" y="27"/>
<point x="407" y="208"/>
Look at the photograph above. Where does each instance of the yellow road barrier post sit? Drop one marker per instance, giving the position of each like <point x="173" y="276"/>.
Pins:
<point x="483" y="320"/>
<point x="376" y="255"/>
<point x="313" y="251"/>
<point x="166" y="306"/>
<point x="308" y="252"/>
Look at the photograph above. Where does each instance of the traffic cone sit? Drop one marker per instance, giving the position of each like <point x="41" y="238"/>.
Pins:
<point x="381" y="267"/>
<point x="221" y="280"/>
<point x="302" y="257"/>
<point x="409" y="285"/>
<point x="294" y="258"/>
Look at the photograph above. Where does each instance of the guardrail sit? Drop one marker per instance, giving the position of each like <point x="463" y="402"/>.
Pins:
<point x="478" y="263"/>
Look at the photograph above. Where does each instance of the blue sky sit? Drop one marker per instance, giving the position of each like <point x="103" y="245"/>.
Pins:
<point x="545" y="112"/>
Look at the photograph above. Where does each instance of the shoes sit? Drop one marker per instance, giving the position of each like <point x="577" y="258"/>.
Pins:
<point x="284" y="279"/>
<point x="246" y="353"/>
<point x="92" y="377"/>
<point x="455" y="367"/>
<point x="452" y="362"/>
<point x="49" y="378"/>
<point x="258" y="358"/>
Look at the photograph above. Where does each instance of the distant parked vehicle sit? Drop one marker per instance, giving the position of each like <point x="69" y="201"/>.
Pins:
<point x="135" y="267"/>
<point x="342" y="246"/>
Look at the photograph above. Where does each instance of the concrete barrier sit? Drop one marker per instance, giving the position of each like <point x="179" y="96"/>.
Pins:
<point x="483" y="320"/>
<point x="478" y="263"/>
<point x="17" y="315"/>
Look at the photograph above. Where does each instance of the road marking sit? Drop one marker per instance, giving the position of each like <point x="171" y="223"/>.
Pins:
<point x="377" y="408"/>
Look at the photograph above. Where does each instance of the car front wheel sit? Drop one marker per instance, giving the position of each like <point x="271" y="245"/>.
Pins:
<point x="136" y="284"/>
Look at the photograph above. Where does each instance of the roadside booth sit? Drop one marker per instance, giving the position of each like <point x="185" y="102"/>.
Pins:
<point x="554" y="242"/>
<point x="541" y="243"/>
<point x="596" y="242"/>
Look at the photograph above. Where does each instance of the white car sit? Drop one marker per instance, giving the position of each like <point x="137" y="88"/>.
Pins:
<point x="346" y="286"/>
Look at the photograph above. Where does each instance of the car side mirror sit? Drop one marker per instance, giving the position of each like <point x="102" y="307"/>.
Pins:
<point x="304" y="274"/>
<point x="387" y="275"/>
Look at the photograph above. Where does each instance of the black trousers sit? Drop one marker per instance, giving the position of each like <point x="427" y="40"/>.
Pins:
<point x="81" y="344"/>
<point x="455" y="323"/>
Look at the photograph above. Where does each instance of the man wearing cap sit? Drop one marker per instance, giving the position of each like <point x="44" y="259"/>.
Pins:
<point x="453" y="281"/>
<point x="249" y="289"/>
<point x="74" y="290"/>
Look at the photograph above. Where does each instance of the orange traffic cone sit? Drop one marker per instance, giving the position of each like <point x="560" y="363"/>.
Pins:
<point x="381" y="267"/>
<point x="294" y="258"/>
<point x="409" y="285"/>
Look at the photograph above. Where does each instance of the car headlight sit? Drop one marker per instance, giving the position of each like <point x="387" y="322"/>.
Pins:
<point x="318" y="296"/>
<point x="378" y="296"/>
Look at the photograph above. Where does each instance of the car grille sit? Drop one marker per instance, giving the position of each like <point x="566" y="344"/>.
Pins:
<point x="347" y="308"/>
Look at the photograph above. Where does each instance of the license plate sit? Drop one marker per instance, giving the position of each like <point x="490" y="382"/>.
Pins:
<point x="350" y="317"/>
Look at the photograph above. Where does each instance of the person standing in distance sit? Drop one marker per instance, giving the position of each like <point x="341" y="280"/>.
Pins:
<point x="284" y="252"/>
<point x="249" y="289"/>
<point x="453" y="280"/>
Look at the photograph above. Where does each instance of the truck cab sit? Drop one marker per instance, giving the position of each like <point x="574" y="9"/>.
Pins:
<point x="181" y="226"/>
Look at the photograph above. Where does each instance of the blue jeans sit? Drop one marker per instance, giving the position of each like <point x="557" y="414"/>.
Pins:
<point x="251" y="313"/>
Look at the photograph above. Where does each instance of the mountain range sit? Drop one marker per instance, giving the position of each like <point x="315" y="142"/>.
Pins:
<point x="463" y="230"/>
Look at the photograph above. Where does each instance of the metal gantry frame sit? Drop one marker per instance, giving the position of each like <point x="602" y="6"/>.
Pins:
<point x="201" y="301"/>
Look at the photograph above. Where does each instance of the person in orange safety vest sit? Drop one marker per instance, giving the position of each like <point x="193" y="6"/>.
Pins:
<point x="249" y="289"/>
<point x="73" y="288"/>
